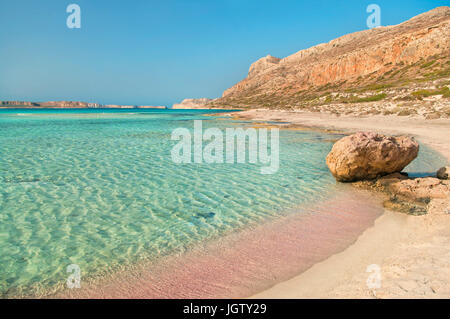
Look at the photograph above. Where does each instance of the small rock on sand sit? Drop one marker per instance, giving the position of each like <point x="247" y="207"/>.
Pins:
<point x="443" y="172"/>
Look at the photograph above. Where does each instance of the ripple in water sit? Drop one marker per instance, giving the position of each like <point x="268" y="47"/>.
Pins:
<point x="98" y="189"/>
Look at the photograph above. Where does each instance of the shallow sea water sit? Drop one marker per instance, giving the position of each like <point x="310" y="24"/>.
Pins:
<point x="98" y="188"/>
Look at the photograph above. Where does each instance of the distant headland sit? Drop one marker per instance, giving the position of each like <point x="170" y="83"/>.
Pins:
<point x="71" y="104"/>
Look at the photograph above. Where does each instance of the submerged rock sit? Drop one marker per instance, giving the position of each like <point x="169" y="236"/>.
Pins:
<point x="206" y="215"/>
<point x="367" y="155"/>
<point x="443" y="172"/>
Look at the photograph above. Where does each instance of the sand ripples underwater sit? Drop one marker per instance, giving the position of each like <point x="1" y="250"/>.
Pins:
<point x="100" y="190"/>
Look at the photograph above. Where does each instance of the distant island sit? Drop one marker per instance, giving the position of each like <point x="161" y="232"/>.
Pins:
<point x="71" y="104"/>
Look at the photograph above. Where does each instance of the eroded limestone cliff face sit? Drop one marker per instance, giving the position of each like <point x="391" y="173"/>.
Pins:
<point x="353" y="60"/>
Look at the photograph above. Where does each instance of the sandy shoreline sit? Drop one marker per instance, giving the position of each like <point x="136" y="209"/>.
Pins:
<point x="413" y="252"/>
<point x="435" y="133"/>
<point x="242" y="263"/>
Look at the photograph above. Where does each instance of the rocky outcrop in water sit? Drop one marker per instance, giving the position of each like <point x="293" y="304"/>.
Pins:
<point x="367" y="155"/>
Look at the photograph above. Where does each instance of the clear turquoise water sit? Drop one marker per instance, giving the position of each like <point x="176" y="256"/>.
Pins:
<point x="98" y="188"/>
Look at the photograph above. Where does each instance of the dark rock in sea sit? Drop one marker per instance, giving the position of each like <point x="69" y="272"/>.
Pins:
<point x="206" y="215"/>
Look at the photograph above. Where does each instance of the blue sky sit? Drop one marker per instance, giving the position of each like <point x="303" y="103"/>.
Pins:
<point x="159" y="52"/>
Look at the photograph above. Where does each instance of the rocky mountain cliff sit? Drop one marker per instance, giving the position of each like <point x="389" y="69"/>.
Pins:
<point x="192" y="104"/>
<point x="416" y="51"/>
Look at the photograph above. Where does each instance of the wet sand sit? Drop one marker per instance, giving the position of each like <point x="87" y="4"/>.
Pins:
<point x="413" y="252"/>
<point x="249" y="261"/>
<point x="319" y="255"/>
